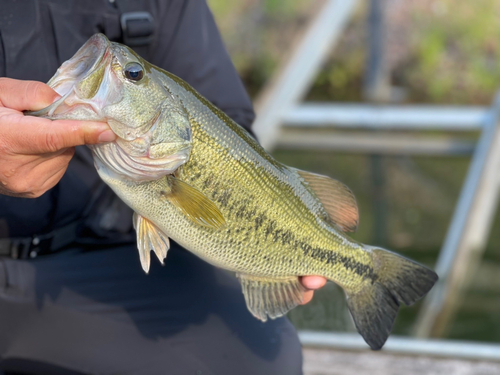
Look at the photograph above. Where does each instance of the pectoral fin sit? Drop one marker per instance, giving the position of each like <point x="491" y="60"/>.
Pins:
<point x="193" y="203"/>
<point x="337" y="199"/>
<point x="149" y="237"/>
<point x="271" y="298"/>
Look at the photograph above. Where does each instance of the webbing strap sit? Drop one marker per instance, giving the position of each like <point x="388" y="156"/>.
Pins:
<point x="24" y="247"/>
<point x="137" y="26"/>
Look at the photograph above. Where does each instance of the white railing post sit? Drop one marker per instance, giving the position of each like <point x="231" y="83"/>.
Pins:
<point x="293" y="80"/>
<point x="468" y="232"/>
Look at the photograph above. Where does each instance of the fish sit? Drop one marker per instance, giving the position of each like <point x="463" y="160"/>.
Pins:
<point x="191" y="174"/>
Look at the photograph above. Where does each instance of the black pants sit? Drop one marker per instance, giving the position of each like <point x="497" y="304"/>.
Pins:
<point x="96" y="312"/>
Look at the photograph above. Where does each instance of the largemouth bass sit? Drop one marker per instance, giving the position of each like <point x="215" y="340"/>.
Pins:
<point x="193" y="175"/>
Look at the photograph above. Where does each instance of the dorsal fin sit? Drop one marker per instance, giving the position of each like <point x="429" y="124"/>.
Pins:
<point x="337" y="199"/>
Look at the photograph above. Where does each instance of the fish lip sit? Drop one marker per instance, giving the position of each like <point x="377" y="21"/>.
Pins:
<point x="91" y="56"/>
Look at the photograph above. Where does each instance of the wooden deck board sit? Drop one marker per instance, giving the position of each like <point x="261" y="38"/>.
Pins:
<point x="340" y="362"/>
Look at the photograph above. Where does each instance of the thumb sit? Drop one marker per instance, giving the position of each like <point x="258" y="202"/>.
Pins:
<point x="35" y="135"/>
<point x="25" y="95"/>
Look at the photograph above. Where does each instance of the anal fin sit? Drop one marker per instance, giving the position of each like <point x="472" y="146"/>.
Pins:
<point x="267" y="297"/>
<point x="149" y="237"/>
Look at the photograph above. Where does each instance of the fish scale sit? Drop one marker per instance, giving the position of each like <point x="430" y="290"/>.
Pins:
<point x="211" y="187"/>
<point x="265" y="190"/>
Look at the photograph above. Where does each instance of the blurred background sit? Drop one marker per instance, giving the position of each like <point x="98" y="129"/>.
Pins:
<point x="389" y="53"/>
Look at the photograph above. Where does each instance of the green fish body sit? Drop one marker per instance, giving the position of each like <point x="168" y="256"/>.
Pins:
<point x="191" y="174"/>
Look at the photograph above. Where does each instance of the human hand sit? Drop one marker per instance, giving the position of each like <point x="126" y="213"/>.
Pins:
<point x="35" y="152"/>
<point x="311" y="283"/>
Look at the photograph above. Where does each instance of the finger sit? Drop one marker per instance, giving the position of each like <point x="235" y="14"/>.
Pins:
<point x="308" y="296"/>
<point x="53" y="180"/>
<point x="313" y="282"/>
<point x="25" y="95"/>
<point x="51" y="167"/>
<point x="33" y="135"/>
<point x="63" y="156"/>
<point x="17" y="167"/>
<point x="35" y="178"/>
<point x="48" y="184"/>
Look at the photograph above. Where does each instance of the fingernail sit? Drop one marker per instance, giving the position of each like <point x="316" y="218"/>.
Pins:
<point x="57" y="98"/>
<point x="107" y="136"/>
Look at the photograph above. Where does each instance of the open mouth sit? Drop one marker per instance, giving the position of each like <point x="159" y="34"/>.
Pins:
<point x="89" y="59"/>
<point x="86" y="60"/>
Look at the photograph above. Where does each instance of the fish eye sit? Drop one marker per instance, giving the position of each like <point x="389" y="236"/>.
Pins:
<point x="134" y="72"/>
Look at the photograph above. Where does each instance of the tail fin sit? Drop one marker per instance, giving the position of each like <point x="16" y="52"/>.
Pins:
<point x="398" y="280"/>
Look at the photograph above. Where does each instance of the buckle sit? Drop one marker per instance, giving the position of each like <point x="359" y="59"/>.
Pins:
<point x="40" y="245"/>
<point x="19" y="248"/>
<point x="23" y="248"/>
<point x="137" y="28"/>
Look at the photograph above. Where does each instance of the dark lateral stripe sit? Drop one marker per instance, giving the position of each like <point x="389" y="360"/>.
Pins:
<point x="323" y="255"/>
<point x="332" y="257"/>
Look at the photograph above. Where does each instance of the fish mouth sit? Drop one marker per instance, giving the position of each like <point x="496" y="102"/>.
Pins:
<point x="92" y="57"/>
<point x="86" y="60"/>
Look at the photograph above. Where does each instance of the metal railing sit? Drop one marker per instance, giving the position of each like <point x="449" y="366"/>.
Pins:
<point x="387" y="117"/>
<point x="280" y="116"/>
<point x="404" y="345"/>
